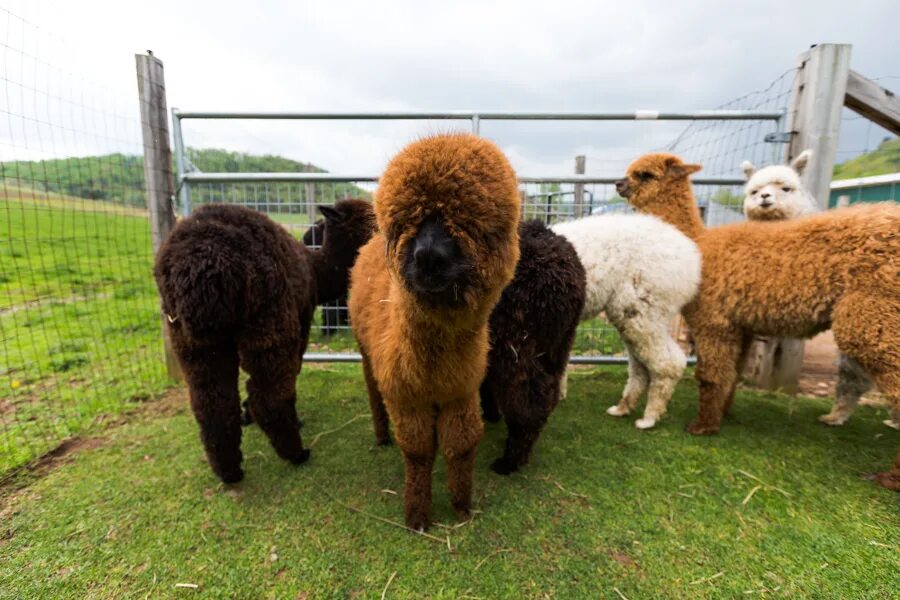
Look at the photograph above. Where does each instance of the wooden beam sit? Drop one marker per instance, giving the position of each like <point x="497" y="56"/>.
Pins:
<point x="878" y="104"/>
<point x="158" y="180"/>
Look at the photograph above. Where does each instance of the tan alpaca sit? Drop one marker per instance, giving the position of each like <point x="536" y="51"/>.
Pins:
<point x="839" y="269"/>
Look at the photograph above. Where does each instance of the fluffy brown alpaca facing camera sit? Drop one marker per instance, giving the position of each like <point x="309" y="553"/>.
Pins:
<point x="422" y="290"/>
<point x="839" y="269"/>
<point x="239" y="291"/>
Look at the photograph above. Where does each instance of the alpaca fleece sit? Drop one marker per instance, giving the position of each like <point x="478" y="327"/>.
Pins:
<point x="239" y="291"/>
<point x="532" y="330"/>
<point x="776" y="193"/>
<point x="334" y="315"/>
<point x="423" y="361"/>
<point x="890" y="479"/>
<point x="839" y="269"/>
<point x="640" y="273"/>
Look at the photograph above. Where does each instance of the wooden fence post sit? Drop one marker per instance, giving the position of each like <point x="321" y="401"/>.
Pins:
<point x="814" y="120"/>
<point x="158" y="179"/>
<point x="579" y="187"/>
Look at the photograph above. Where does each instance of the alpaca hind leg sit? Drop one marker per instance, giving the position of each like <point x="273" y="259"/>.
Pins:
<point x="489" y="409"/>
<point x="415" y="432"/>
<point x="272" y="398"/>
<point x="890" y="479"/>
<point x="638" y="380"/>
<point x="212" y="376"/>
<point x="665" y="361"/>
<point x="852" y="383"/>
<point x="376" y="403"/>
<point x="460" y="429"/>
<point x="526" y="412"/>
<point x="718" y="352"/>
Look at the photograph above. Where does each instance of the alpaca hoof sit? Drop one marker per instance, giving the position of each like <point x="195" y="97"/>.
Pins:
<point x="832" y="420"/>
<point x="463" y="513"/>
<point x="616" y="411"/>
<point x="698" y="428"/>
<point x="892" y="423"/>
<point x="300" y="457"/>
<point x="232" y="476"/>
<point x="889" y="480"/>
<point x="645" y="423"/>
<point x="418" y="524"/>
<point x="501" y="466"/>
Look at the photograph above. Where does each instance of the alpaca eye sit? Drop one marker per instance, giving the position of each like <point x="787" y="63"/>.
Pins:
<point x="785" y="189"/>
<point x="753" y="192"/>
<point x="644" y="176"/>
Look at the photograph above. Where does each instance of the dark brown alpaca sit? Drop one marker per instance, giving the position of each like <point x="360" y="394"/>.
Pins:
<point x="334" y="314"/>
<point x="238" y="290"/>
<point x="532" y="330"/>
<point x="421" y="294"/>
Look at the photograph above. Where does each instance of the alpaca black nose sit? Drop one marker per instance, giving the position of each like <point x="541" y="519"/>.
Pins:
<point x="622" y="187"/>
<point x="765" y="196"/>
<point x="431" y="256"/>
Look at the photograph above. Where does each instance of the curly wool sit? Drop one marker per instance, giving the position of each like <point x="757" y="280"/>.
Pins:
<point x="640" y="273"/>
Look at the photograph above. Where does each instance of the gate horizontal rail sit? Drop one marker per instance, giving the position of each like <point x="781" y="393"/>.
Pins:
<point x="468" y="115"/>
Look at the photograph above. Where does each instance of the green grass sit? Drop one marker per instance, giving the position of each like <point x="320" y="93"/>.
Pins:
<point x="884" y="159"/>
<point x="774" y="505"/>
<point x="79" y="319"/>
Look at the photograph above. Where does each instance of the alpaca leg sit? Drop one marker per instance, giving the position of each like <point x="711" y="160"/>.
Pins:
<point x="460" y="429"/>
<point x="665" y="361"/>
<point x="212" y="376"/>
<point x="489" y="409"/>
<point x="526" y="412"/>
<point x="415" y="432"/>
<point x="272" y="398"/>
<point x="890" y="479"/>
<point x="564" y="384"/>
<point x="852" y="384"/>
<point x="638" y="380"/>
<point x="718" y="351"/>
<point x="746" y="347"/>
<point x="865" y="326"/>
<point x="376" y="403"/>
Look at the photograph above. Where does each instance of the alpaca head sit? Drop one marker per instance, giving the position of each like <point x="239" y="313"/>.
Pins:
<point x="448" y="206"/>
<point x="649" y="180"/>
<point x="344" y="229"/>
<point x="776" y="193"/>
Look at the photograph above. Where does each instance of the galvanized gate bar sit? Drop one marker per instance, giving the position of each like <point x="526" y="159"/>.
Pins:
<point x="472" y="115"/>
<point x="338" y="178"/>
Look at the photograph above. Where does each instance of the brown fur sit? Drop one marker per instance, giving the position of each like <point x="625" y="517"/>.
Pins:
<point x="890" y="479"/>
<point x="423" y="363"/>
<point x="839" y="269"/>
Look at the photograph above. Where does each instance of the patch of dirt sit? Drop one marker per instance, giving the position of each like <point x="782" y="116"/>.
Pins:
<point x="624" y="560"/>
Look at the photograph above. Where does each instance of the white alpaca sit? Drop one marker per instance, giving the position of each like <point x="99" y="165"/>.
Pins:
<point x="776" y="193"/>
<point x="640" y="272"/>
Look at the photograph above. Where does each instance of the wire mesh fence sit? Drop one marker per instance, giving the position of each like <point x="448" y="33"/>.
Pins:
<point x="79" y="323"/>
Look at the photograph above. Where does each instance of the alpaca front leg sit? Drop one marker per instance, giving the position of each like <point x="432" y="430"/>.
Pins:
<point x="376" y="404"/>
<point x="718" y="352"/>
<point x="415" y="433"/>
<point x="666" y="361"/>
<point x="460" y="429"/>
<point x="638" y="379"/>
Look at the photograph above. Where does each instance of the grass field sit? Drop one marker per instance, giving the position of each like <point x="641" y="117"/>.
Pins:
<point x="775" y="505"/>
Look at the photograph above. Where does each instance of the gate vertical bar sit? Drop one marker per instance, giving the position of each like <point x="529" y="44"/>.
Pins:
<point x="158" y="179"/>
<point x="579" y="187"/>
<point x="184" y="191"/>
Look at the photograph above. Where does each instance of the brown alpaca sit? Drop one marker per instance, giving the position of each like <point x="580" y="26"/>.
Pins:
<point x="239" y="290"/>
<point x="839" y="269"/>
<point x="421" y="293"/>
<point x="890" y="479"/>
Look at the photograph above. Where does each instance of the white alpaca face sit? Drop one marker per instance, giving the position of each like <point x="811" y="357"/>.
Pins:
<point x="774" y="194"/>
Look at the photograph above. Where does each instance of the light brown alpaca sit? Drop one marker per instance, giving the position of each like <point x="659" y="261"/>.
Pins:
<point x="839" y="269"/>
<point x="421" y="293"/>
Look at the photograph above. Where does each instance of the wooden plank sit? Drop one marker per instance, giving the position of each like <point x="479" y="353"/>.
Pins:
<point x="878" y="104"/>
<point x="158" y="179"/>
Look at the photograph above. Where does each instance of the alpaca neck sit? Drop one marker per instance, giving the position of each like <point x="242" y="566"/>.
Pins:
<point x="331" y="276"/>
<point x="680" y="210"/>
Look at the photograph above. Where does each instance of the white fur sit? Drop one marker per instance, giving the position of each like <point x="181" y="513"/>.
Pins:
<point x="640" y="272"/>
<point x="776" y="193"/>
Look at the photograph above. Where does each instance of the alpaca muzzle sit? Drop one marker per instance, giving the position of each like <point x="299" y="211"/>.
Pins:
<point x="622" y="188"/>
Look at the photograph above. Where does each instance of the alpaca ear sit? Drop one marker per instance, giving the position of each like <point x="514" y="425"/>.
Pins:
<point x="748" y="169"/>
<point x="799" y="163"/>
<point x="683" y="170"/>
<point x="331" y="214"/>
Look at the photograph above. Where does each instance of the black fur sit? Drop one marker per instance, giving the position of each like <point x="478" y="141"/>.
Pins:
<point x="532" y="330"/>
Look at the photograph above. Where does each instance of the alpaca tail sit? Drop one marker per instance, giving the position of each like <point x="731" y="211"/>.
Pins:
<point x="203" y="293"/>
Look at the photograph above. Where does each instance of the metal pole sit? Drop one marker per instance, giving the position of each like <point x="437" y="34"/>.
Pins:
<point x="184" y="192"/>
<point x="468" y="115"/>
<point x="579" y="187"/>
<point x="476" y="124"/>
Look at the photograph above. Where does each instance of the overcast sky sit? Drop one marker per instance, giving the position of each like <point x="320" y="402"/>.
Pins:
<point x="335" y="55"/>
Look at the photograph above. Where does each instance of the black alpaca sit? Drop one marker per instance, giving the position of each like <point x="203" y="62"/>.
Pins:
<point x="335" y="314"/>
<point x="532" y="330"/>
<point x="239" y="291"/>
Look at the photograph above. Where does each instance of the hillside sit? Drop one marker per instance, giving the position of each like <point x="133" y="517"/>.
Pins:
<point x="120" y="177"/>
<point x="884" y="159"/>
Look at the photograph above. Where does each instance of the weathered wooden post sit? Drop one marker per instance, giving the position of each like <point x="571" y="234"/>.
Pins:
<point x="158" y="179"/>
<point x="814" y="121"/>
<point x="579" y="187"/>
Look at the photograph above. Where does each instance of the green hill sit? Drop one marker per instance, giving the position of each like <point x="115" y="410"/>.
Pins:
<point x="882" y="160"/>
<point x="120" y="177"/>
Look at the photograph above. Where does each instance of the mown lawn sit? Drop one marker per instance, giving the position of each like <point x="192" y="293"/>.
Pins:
<point x="776" y="505"/>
